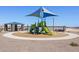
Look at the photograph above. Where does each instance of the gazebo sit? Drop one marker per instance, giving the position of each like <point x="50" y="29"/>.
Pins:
<point x="13" y="26"/>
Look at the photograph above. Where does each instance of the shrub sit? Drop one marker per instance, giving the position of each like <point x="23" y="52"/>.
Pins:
<point x="73" y="44"/>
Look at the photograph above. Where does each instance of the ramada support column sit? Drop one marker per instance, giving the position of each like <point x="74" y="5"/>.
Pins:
<point x="53" y="24"/>
<point x="11" y="27"/>
<point x="5" y="27"/>
<point x="22" y="26"/>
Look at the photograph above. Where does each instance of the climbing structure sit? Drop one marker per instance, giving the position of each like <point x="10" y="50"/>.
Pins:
<point x="41" y="27"/>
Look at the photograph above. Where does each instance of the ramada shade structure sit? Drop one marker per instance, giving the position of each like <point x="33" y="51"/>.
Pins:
<point x="13" y="26"/>
<point x="43" y="13"/>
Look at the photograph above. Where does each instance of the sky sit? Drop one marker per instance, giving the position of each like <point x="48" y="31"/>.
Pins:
<point x="67" y="15"/>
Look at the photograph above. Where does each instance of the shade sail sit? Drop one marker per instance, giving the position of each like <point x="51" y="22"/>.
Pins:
<point x="42" y="13"/>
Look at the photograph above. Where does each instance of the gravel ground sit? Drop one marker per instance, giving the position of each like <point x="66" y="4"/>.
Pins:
<point x="14" y="45"/>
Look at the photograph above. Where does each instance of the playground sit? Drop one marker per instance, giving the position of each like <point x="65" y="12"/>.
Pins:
<point x="39" y="37"/>
<point x="40" y="30"/>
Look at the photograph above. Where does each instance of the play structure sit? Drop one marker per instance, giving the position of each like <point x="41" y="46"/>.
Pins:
<point x="41" y="27"/>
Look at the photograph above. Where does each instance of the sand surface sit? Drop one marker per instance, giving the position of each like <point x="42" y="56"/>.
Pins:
<point x="26" y="34"/>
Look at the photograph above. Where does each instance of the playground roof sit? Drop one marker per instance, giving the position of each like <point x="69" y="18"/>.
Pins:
<point x="42" y="13"/>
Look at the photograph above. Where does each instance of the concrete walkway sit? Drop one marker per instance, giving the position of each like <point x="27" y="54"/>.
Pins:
<point x="69" y="36"/>
<point x="23" y="45"/>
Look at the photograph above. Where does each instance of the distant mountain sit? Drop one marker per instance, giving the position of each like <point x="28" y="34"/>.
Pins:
<point x="73" y="27"/>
